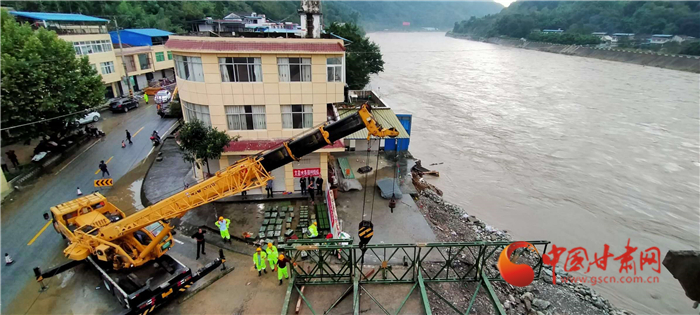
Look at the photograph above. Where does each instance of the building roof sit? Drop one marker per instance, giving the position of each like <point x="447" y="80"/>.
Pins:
<point x="384" y="116"/>
<point x="151" y="32"/>
<point x="262" y="145"/>
<point x="623" y="34"/>
<point x="662" y="35"/>
<point x="240" y="46"/>
<point x="58" y="16"/>
<point x="599" y="33"/>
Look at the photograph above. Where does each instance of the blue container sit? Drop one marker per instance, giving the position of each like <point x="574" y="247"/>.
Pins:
<point x="400" y="144"/>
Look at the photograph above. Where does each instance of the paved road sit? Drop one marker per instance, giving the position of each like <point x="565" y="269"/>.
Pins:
<point x="22" y="222"/>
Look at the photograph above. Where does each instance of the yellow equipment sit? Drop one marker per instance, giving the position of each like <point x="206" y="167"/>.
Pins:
<point x="96" y="227"/>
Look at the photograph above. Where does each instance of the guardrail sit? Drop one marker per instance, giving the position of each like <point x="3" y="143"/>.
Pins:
<point x="333" y="262"/>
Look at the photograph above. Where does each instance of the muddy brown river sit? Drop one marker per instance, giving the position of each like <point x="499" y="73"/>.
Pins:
<point x="581" y="152"/>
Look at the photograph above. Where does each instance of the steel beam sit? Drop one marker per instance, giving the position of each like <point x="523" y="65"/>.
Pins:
<point x="356" y="295"/>
<point x="288" y="295"/>
<point x="406" y="298"/>
<point x="423" y="294"/>
<point x="492" y="294"/>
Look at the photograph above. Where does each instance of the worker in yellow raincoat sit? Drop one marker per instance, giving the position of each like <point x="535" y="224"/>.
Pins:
<point x="259" y="261"/>
<point x="272" y="254"/>
<point x="223" y="224"/>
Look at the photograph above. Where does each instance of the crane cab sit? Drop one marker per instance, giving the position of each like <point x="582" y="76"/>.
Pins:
<point x="84" y="214"/>
<point x="88" y="214"/>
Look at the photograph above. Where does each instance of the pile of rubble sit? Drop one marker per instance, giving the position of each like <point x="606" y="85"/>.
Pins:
<point x="451" y="223"/>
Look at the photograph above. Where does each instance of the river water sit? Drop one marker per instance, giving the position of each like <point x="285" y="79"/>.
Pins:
<point x="578" y="151"/>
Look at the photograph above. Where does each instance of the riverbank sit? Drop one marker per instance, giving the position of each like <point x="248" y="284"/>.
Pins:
<point x="451" y="223"/>
<point x="644" y="58"/>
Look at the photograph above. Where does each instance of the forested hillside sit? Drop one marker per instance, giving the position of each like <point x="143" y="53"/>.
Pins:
<point x="173" y="15"/>
<point x="584" y="17"/>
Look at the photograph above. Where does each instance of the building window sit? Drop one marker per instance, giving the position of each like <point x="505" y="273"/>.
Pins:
<point x="107" y="67"/>
<point x="189" y="68"/>
<point x="94" y="66"/>
<point x="240" y="69"/>
<point x="334" y="69"/>
<point x="294" y="69"/>
<point x="92" y="47"/>
<point x="170" y="55"/>
<point x="197" y="112"/>
<point x="144" y="61"/>
<point x="247" y="117"/>
<point x="160" y="56"/>
<point x="297" y="116"/>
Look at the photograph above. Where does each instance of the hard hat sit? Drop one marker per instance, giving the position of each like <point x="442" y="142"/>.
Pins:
<point x="315" y="223"/>
<point x="280" y="257"/>
<point x="258" y="249"/>
<point x="221" y="218"/>
<point x="269" y="245"/>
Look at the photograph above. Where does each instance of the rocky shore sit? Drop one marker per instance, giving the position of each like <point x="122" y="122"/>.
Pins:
<point x="451" y="223"/>
<point x="639" y="57"/>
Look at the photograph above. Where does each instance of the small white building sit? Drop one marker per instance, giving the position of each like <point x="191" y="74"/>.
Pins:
<point x="660" y="38"/>
<point x="681" y="38"/>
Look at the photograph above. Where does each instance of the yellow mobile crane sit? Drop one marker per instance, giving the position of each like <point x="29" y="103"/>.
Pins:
<point x="101" y="233"/>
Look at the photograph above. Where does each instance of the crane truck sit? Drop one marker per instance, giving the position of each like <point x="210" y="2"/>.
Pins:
<point x="130" y="252"/>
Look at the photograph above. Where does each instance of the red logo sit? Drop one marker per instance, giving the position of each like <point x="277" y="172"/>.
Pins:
<point x="519" y="275"/>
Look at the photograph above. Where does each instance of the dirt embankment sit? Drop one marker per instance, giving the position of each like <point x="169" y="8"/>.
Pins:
<point x="452" y="224"/>
<point x="644" y="58"/>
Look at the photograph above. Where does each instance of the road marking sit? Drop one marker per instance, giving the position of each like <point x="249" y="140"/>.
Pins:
<point x="37" y="234"/>
<point x="137" y="132"/>
<point x="98" y="170"/>
<point x="81" y="153"/>
<point x="179" y="242"/>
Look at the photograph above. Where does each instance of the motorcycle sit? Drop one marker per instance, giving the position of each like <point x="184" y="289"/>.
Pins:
<point x="94" y="132"/>
<point x="155" y="140"/>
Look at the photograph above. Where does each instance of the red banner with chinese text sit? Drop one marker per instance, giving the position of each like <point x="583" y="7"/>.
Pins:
<point x="305" y="172"/>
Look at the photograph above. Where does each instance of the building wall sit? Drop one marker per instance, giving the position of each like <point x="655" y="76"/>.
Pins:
<point x="271" y="93"/>
<point x="166" y="64"/>
<point x="98" y="58"/>
<point x="5" y="188"/>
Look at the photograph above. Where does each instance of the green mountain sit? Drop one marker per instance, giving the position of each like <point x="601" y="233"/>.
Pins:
<point x="585" y="17"/>
<point x="174" y="15"/>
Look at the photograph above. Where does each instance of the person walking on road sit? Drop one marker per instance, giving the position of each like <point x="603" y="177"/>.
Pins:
<point x="319" y="185"/>
<point x="13" y="158"/>
<point x="128" y="136"/>
<point x="259" y="261"/>
<point x="223" y="224"/>
<point x="268" y="188"/>
<point x="302" y="183"/>
<point x="271" y="252"/>
<point x="103" y="168"/>
<point x="199" y="236"/>
<point x="145" y="98"/>
<point x="282" y="270"/>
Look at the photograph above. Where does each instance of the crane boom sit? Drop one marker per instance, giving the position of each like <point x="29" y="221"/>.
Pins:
<point x="246" y="174"/>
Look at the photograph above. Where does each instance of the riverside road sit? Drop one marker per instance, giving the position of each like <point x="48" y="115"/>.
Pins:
<point x="26" y="235"/>
<point x="581" y="152"/>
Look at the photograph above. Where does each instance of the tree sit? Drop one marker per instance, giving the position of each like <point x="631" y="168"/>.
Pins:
<point x="200" y="142"/>
<point x="363" y="56"/>
<point x="41" y="79"/>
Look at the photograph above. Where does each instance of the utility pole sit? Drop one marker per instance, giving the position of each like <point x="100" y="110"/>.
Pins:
<point x="121" y="53"/>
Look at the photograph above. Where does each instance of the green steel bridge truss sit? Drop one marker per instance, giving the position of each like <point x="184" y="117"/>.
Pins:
<point x="338" y="262"/>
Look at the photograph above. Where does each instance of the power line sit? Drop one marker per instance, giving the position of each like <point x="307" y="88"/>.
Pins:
<point x="48" y="119"/>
